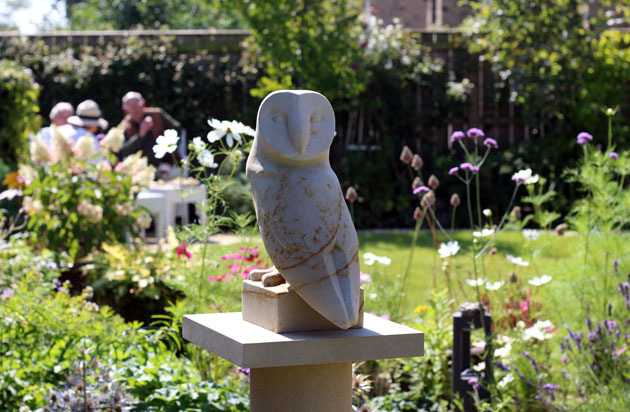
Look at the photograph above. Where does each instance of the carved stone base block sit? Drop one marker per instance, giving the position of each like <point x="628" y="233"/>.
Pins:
<point x="280" y="309"/>
<point x="307" y="388"/>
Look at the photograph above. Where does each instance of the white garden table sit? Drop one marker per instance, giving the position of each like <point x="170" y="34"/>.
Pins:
<point x="163" y="201"/>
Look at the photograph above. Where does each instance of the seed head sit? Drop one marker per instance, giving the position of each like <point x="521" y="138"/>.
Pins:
<point x="351" y="194"/>
<point x="455" y="200"/>
<point x="433" y="182"/>
<point x="417" y="182"/>
<point x="406" y="156"/>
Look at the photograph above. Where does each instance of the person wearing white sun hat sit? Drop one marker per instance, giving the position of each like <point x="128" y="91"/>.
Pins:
<point x="87" y="120"/>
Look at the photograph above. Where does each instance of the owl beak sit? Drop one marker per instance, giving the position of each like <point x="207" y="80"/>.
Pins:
<point x="299" y="132"/>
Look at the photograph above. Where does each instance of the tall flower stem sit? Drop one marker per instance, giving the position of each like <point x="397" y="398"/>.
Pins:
<point x="401" y="308"/>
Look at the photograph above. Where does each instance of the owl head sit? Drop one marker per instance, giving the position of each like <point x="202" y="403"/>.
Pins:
<point x="296" y="124"/>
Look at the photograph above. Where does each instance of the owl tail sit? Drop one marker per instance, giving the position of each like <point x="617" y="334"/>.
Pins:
<point x="335" y="295"/>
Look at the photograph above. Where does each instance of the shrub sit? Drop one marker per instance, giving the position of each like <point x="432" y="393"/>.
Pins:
<point x="18" y="110"/>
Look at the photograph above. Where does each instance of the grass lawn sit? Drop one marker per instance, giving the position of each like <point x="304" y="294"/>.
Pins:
<point x="561" y="257"/>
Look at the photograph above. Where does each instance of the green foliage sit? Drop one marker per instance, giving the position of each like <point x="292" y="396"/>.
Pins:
<point x="18" y="110"/>
<point x="305" y="45"/>
<point x="45" y="335"/>
<point x="151" y="14"/>
<point x="561" y="59"/>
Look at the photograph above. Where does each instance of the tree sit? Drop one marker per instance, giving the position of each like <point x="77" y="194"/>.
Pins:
<point x="150" y="14"/>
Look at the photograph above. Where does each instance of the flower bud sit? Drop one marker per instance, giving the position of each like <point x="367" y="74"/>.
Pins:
<point x="493" y="251"/>
<point x="406" y="156"/>
<point x="351" y="194"/>
<point x="487" y="213"/>
<point x="417" y="182"/>
<point x="516" y="213"/>
<point x="416" y="162"/>
<point x="513" y="278"/>
<point x="428" y="199"/>
<point x="417" y="214"/>
<point x="455" y="200"/>
<point x="433" y="182"/>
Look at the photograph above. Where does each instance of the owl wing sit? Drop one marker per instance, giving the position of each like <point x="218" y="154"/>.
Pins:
<point x="311" y="240"/>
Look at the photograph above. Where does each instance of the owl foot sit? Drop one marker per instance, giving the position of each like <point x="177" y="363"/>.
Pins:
<point x="269" y="277"/>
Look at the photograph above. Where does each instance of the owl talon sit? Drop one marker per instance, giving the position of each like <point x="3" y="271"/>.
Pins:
<point x="273" y="279"/>
<point x="257" y="274"/>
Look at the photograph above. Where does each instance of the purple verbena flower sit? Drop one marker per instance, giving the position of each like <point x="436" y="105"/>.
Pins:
<point x="613" y="155"/>
<point x="584" y="138"/>
<point x="616" y="266"/>
<point x="6" y="293"/>
<point x="420" y="189"/>
<point x="490" y="142"/>
<point x="474" y="133"/>
<point x="469" y="166"/>
<point x="474" y="382"/>
<point x="457" y="135"/>
<point x="453" y="170"/>
<point x="244" y="371"/>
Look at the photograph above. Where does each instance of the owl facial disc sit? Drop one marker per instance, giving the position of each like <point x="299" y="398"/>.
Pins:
<point x="296" y="124"/>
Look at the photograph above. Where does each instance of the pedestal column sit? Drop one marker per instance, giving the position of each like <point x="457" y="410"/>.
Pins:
<point x="305" y="388"/>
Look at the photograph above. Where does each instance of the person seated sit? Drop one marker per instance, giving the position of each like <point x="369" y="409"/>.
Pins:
<point x="142" y="125"/>
<point x="58" y="116"/>
<point x="88" y="120"/>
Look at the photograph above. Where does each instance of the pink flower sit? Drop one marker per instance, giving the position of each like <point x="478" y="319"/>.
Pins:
<point x="584" y="138"/>
<point x="364" y="277"/>
<point x="386" y="317"/>
<point x="420" y="190"/>
<point x="232" y="256"/>
<point x="453" y="170"/>
<point x="457" y="135"/>
<point x="613" y="155"/>
<point x="181" y="250"/>
<point x="490" y="142"/>
<point x="474" y="133"/>
<point x="215" y="278"/>
<point x="468" y="166"/>
<point x="244" y="371"/>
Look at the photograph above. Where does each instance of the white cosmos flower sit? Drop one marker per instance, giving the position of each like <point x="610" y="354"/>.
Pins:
<point x="507" y="379"/>
<point x="484" y="233"/>
<point x="487" y="212"/>
<point x="198" y="145"/>
<point x="231" y="130"/>
<point x="504" y="351"/>
<point x="448" y="249"/>
<point x="517" y="260"/>
<point x="480" y="367"/>
<point x="167" y="143"/>
<point x="531" y="234"/>
<point x="539" y="281"/>
<point x="370" y="258"/>
<point x="474" y="282"/>
<point x="206" y="158"/>
<point x="540" y="330"/>
<point x="525" y="176"/>
<point x="494" y="285"/>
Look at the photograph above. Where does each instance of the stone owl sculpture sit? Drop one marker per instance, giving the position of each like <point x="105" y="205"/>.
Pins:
<point x="302" y="215"/>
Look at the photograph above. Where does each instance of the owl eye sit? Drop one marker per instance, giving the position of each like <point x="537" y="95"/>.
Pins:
<point x="279" y="118"/>
<point x="316" y="117"/>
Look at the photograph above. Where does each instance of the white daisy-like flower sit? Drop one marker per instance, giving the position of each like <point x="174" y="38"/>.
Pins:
<point x="531" y="234"/>
<point x="517" y="260"/>
<point x="507" y="379"/>
<point x="448" y="249"/>
<point x="540" y="280"/>
<point x="494" y="285"/>
<point x="167" y="143"/>
<point x="483" y="233"/>
<point x="474" y="282"/>
<point x="370" y="258"/>
<point x="487" y="212"/>
<point x="525" y="176"/>
<point x="540" y="330"/>
<point x="480" y="367"/>
<point x="504" y="351"/>
<point x="232" y="131"/>
<point x="206" y="158"/>
<point x="198" y="145"/>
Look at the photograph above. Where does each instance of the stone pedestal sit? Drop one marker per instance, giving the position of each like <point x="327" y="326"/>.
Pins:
<point x="300" y="371"/>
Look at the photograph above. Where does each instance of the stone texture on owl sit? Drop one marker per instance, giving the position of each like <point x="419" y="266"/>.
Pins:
<point x="303" y="218"/>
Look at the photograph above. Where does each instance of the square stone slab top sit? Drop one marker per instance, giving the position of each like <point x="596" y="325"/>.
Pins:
<point x="280" y="309"/>
<point x="251" y="346"/>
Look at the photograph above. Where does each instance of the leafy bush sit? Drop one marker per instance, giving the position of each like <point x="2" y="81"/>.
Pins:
<point x="75" y="201"/>
<point x="18" y="110"/>
<point x="46" y="335"/>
